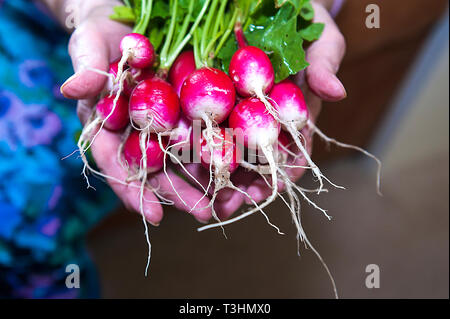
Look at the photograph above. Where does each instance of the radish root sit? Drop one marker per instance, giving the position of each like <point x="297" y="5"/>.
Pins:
<point x="327" y="139"/>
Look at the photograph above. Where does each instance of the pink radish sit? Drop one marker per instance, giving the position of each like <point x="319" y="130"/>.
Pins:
<point x="182" y="133"/>
<point x="133" y="155"/>
<point x="115" y="118"/>
<point x="137" y="50"/>
<point x="183" y="66"/>
<point x="252" y="74"/>
<point x="292" y="108"/>
<point x="293" y="114"/>
<point x="260" y="129"/>
<point x="113" y="85"/>
<point x="222" y="157"/>
<point x="251" y="71"/>
<point x="112" y="113"/>
<point x="135" y="77"/>
<point x="207" y="94"/>
<point x="154" y="106"/>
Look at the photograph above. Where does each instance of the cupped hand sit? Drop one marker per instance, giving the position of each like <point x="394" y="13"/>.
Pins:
<point x="93" y="45"/>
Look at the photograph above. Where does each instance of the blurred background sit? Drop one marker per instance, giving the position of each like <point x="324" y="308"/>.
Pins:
<point x="397" y="79"/>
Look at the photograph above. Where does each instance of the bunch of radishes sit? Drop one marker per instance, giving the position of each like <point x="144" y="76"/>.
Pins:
<point x="156" y="95"/>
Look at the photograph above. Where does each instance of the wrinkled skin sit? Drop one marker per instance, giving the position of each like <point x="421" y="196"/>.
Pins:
<point x="95" y="44"/>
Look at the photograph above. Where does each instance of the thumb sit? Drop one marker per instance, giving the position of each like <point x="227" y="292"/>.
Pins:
<point x="324" y="57"/>
<point x="88" y="51"/>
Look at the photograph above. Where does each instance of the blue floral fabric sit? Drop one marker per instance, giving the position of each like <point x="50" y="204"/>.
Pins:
<point x="45" y="207"/>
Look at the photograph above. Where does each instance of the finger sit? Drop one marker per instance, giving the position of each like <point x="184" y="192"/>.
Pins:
<point x="190" y="195"/>
<point x="88" y="50"/>
<point x="228" y="200"/>
<point x="202" y="176"/>
<point x="84" y="109"/>
<point x="324" y="57"/>
<point x="226" y="208"/>
<point x="104" y="151"/>
<point x="260" y="190"/>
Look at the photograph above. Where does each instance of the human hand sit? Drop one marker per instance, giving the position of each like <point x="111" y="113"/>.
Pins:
<point x="93" y="45"/>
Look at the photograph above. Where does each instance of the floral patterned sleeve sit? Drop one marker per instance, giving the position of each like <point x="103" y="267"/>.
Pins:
<point x="45" y="207"/>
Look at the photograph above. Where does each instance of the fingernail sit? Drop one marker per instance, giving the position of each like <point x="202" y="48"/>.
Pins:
<point x="154" y="224"/>
<point x="339" y="87"/>
<point x="68" y="81"/>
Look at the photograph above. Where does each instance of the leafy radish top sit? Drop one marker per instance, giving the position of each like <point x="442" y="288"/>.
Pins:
<point x="281" y="28"/>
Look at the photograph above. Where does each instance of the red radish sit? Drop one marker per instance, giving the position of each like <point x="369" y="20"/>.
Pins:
<point x="253" y="75"/>
<point x="207" y="94"/>
<point x="113" y="85"/>
<point x="222" y="157"/>
<point x="138" y="50"/>
<point x="180" y="138"/>
<point x="260" y="129"/>
<point x="135" y="77"/>
<point x="154" y="106"/>
<point x="251" y="71"/>
<point x="112" y="113"/>
<point x="183" y="66"/>
<point x="131" y="79"/>
<point x="133" y="155"/>
<point x="115" y="117"/>
<point x="293" y="114"/>
<point x="292" y="108"/>
<point x="183" y="133"/>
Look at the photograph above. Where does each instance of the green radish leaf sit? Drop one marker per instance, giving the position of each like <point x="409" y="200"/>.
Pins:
<point x="123" y="14"/>
<point x="307" y="11"/>
<point x="225" y="54"/>
<point x="282" y="42"/>
<point x="297" y="4"/>
<point x="312" y="32"/>
<point x="161" y="10"/>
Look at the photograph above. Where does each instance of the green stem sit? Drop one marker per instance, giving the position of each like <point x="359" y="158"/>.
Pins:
<point x="198" y="62"/>
<point x="141" y="18"/>
<point x="215" y="34"/>
<point x="227" y="33"/>
<point x="186" y="23"/>
<point x="219" y="19"/>
<point x="206" y="30"/>
<point x="146" y="12"/>
<point x="209" y="52"/>
<point x="188" y="37"/>
<point x="148" y="15"/>
<point x="166" y="47"/>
